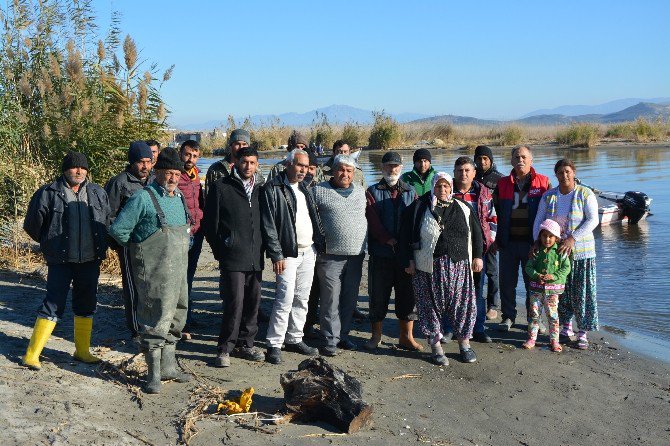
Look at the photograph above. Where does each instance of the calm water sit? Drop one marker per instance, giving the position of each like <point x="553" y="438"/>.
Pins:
<point x="633" y="261"/>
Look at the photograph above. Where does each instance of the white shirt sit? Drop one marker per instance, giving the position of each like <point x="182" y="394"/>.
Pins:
<point x="303" y="222"/>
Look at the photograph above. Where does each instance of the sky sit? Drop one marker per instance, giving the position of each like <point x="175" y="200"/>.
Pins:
<point x="487" y="59"/>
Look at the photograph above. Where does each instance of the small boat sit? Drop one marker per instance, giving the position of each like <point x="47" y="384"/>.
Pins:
<point x="620" y="207"/>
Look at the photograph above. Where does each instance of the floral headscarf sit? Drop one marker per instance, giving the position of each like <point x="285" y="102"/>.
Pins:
<point x="437" y="177"/>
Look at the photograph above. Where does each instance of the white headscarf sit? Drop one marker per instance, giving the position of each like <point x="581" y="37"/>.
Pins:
<point x="437" y="177"/>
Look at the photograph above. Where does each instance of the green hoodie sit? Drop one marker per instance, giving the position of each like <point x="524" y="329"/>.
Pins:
<point x="413" y="178"/>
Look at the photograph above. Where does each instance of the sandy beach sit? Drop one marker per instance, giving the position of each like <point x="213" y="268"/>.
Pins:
<point x="605" y="395"/>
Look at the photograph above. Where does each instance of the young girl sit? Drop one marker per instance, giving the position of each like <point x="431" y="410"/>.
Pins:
<point x="548" y="272"/>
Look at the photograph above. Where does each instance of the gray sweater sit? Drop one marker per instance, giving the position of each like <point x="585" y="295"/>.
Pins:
<point x="343" y="219"/>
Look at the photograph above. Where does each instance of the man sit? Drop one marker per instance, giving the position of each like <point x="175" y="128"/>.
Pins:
<point x="342" y="148"/>
<point x="518" y="195"/>
<point x="341" y="205"/>
<point x="421" y="176"/>
<point x="290" y="223"/>
<point x="69" y="219"/>
<point x="155" y="147"/>
<point x="386" y="202"/>
<point x="480" y="200"/>
<point x="239" y="139"/>
<point x="190" y="187"/>
<point x="154" y="226"/>
<point x="314" y="174"/>
<point x="232" y="226"/>
<point x="487" y="174"/>
<point x="119" y="189"/>
<point x="296" y="141"/>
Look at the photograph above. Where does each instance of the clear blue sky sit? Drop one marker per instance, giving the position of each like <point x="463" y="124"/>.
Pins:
<point x="494" y="59"/>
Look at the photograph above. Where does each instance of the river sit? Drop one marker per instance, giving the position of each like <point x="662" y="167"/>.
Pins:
<point x="633" y="266"/>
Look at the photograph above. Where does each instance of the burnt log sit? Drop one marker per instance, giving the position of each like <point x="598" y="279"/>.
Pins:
<point x="318" y="391"/>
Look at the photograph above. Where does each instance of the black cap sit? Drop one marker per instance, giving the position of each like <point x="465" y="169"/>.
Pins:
<point x="240" y="135"/>
<point x="169" y="159"/>
<point x="139" y="150"/>
<point x="74" y="159"/>
<point x="391" y="158"/>
<point x="422" y="154"/>
<point x="484" y="151"/>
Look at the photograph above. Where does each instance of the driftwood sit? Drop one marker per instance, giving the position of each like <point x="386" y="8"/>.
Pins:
<point x="319" y="391"/>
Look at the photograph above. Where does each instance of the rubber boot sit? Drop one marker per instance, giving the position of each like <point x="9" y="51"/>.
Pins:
<point x="82" y="340"/>
<point x="153" y="358"/>
<point x="41" y="333"/>
<point x="169" y="369"/>
<point x="406" y="339"/>
<point x="376" y="336"/>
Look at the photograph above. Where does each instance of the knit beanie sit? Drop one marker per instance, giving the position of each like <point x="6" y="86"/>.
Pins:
<point x="484" y="151"/>
<point x="295" y="139"/>
<point x="74" y="159"/>
<point x="421" y="154"/>
<point x="139" y="150"/>
<point x="239" y="135"/>
<point x="169" y="159"/>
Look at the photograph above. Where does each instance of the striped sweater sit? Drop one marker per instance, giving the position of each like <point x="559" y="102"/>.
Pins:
<point x="582" y="219"/>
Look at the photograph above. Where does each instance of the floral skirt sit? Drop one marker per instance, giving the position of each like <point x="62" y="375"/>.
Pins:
<point x="579" y="297"/>
<point x="449" y="291"/>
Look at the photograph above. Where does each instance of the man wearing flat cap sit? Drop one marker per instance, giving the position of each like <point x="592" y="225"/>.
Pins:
<point x="69" y="219"/>
<point x="239" y="138"/>
<point x="120" y="188"/>
<point x="154" y="226"/>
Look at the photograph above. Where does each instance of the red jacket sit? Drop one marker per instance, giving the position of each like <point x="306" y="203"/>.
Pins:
<point x="194" y="197"/>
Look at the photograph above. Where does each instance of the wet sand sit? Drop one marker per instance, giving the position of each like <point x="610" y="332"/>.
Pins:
<point x="606" y="395"/>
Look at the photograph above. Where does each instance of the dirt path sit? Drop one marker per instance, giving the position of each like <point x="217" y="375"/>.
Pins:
<point x="509" y="397"/>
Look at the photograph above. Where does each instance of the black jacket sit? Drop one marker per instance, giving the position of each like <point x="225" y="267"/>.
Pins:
<point x="278" y="206"/>
<point x="232" y="225"/>
<point x="46" y="220"/>
<point x="121" y="187"/>
<point x="490" y="177"/>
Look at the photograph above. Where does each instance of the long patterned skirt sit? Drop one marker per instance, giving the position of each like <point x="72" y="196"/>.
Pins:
<point x="450" y="291"/>
<point x="579" y="298"/>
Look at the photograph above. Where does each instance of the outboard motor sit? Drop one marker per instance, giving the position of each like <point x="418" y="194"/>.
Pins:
<point x="635" y="205"/>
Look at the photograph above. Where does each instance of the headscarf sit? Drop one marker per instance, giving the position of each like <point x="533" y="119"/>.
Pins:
<point x="437" y="177"/>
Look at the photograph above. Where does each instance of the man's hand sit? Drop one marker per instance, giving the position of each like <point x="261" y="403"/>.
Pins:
<point x="567" y="246"/>
<point x="278" y="266"/>
<point x="477" y="265"/>
<point x="411" y="269"/>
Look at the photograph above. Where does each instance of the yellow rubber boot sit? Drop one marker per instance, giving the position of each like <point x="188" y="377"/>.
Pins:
<point x="41" y="333"/>
<point x="82" y="340"/>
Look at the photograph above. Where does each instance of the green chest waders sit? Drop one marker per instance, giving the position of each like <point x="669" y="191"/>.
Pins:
<point x="159" y="269"/>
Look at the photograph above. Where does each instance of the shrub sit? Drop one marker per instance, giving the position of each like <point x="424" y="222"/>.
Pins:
<point x="579" y="135"/>
<point x="509" y="136"/>
<point x="385" y="132"/>
<point x="624" y="130"/>
<point x="645" y="131"/>
<point x="321" y="132"/>
<point x="352" y="134"/>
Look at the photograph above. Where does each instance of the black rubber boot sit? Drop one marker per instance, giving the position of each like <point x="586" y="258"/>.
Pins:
<point x="153" y="358"/>
<point x="169" y="369"/>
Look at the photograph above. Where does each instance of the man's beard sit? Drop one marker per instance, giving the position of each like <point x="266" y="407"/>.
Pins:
<point x="391" y="180"/>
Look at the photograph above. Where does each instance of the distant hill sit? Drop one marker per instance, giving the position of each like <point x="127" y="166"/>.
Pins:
<point x="337" y="114"/>
<point x="455" y="119"/>
<point x="646" y="110"/>
<point x="600" y="109"/>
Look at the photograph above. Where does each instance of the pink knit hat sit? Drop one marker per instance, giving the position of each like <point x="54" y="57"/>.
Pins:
<point x="552" y="227"/>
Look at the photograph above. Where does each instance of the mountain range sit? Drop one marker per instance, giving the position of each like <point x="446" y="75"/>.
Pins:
<point x="620" y="110"/>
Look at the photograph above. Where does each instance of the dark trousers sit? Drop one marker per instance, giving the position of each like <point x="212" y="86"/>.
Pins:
<point x="511" y="257"/>
<point x="313" y="304"/>
<point x="386" y="274"/>
<point x="84" y="280"/>
<point x="241" y="295"/>
<point x="129" y="289"/>
<point x="492" y="291"/>
<point x="194" y="251"/>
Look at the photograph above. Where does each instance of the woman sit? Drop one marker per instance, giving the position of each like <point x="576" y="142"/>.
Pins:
<point x="575" y="208"/>
<point x="441" y="244"/>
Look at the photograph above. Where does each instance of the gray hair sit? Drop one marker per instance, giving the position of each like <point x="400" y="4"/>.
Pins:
<point x="522" y="146"/>
<point x="290" y="158"/>
<point x="347" y="160"/>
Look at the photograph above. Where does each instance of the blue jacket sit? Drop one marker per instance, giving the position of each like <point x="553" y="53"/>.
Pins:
<point x="384" y="215"/>
<point x="46" y="220"/>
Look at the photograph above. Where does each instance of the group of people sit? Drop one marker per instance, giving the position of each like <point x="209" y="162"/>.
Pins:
<point x="433" y="239"/>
